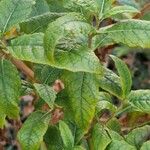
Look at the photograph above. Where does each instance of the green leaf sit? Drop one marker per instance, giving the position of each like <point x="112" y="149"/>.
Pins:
<point x="125" y="75"/>
<point x="101" y="105"/>
<point x="114" y="125"/>
<point x="114" y="135"/>
<point x="38" y="23"/>
<point x="99" y="138"/>
<point x="120" y="145"/>
<point x="53" y="139"/>
<point x="119" y="10"/>
<point x="66" y="135"/>
<point x="105" y="6"/>
<point x="56" y="6"/>
<point x="46" y="93"/>
<point x="29" y="48"/>
<point x="39" y="8"/>
<point x="82" y="91"/>
<point x="46" y="74"/>
<point x="101" y="40"/>
<point x="138" y="136"/>
<point x="132" y="3"/>
<point x="105" y="102"/>
<point x="111" y="82"/>
<point x="2" y="120"/>
<point x="66" y="45"/>
<point x="134" y="33"/>
<point x="145" y="146"/>
<point x="31" y="134"/>
<point x="140" y="99"/>
<point x="88" y="8"/>
<point x="10" y="86"/>
<point x="14" y="11"/>
<point x="78" y="148"/>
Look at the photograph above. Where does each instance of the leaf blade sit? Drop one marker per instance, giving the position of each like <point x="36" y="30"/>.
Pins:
<point x="31" y="134"/>
<point x="125" y="75"/>
<point x="46" y="93"/>
<point x="134" y="33"/>
<point x="66" y="135"/>
<point x="10" y="86"/>
<point x="10" y="13"/>
<point x="140" y="99"/>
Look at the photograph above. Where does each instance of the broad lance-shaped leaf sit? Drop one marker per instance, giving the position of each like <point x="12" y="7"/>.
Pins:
<point x="119" y="10"/>
<point x="10" y="86"/>
<point x="53" y="139"/>
<point x="38" y="23"/>
<point x="31" y="134"/>
<point x="138" y="136"/>
<point x="29" y="48"/>
<point x="66" y="135"/>
<point x="14" y="11"/>
<point x="145" y="146"/>
<point x="46" y="93"/>
<point x="99" y="138"/>
<point x="134" y="33"/>
<point x="140" y="99"/>
<point x="120" y="145"/>
<point x="111" y="82"/>
<point x="66" y="44"/>
<point x="125" y="75"/>
<point x="82" y="91"/>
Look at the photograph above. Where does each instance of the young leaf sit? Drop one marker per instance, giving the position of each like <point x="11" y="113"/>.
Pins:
<point x="31" y="134"/>
<point x="134" y="33"/>
<point x="140" y="99"/>
<point x="10" y="86"/>
<point x="120" y="145"/>
<point x="14" y="11"/>
<point x="46" y="93"/>
<point x="99" y="138"/>
<point x="82" y="90"/>
<point x="145" y="146"/>
<point x="125" y="75"/>
<point x="66" y="135"/>
<point x="66" y="44"/>
<point x="119" y="10"/>
<point x="138" y="136"/>
<point x="111" y="83"/>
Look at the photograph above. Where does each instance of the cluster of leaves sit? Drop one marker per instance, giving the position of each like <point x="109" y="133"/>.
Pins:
<point x="59" y="38"/>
